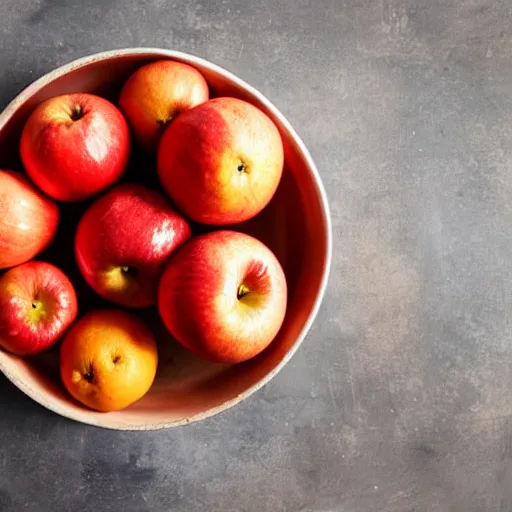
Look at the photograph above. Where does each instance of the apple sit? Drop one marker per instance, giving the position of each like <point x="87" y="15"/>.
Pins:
<point x="108" y="360"/>
<point x="123" y="240"/>
<point x="74" y="146"/>
<point x="156" y="93"/>
<point x="28" y="220"/>
<point x="223" y="296"/>
<point x="37" y="304"/>
<point x="221" y="161"/>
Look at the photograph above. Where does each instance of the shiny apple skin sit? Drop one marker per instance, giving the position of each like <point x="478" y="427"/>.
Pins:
<point x="221" y="162"/>
<point x="158" y="92"/>
<point x="28" y="220"/>
<point x="74" y="146"/>
<point x="37" y="304"/>
<point x="123" y="241"/>
<point x="199" y="296"/>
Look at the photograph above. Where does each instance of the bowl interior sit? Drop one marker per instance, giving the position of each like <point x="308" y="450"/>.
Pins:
<point x="294" y="226"/>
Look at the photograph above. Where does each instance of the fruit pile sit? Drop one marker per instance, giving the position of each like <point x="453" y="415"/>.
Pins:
<point x="219" y="292"/>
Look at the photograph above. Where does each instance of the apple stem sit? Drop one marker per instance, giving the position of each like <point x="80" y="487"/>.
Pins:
<point x="76" y="113"/>
<point x="127" y="270"/>
<point x="243" y="290"/>
<point x="89" y="375"/>
<point x="164" y="123"/>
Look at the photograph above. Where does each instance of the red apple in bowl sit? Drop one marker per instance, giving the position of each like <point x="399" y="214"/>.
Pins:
<point x="28" y="220"/>
<point x="156" y="93"/>
<point x="221" y="162"/>
<point x="223" y="295"/>
<point x="123" y="241"/>
<point x="75" y="145"/>
<point x="37" y="305"/>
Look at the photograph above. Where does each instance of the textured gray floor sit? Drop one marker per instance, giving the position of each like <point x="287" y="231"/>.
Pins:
<point x="400" y="399"/>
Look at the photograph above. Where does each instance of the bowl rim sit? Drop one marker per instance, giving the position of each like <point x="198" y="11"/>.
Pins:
<point x="64" y="69"/>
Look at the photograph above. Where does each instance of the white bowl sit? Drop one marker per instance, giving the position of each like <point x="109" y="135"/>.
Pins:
<point x="296" y="226"/>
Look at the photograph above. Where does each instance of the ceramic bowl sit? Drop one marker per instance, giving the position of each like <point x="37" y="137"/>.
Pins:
<point x="295" y="225"/>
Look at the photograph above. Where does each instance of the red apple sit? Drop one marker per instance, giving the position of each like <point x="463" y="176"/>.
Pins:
<point x="37" y="305"/>
<point x="74" y="146"/>
<point x="28" y="220"/>
<point x="123" y="240"/>
<point x="223" y="296"/>
<point x="156" y="93"/>
<point x="221" y="162"/>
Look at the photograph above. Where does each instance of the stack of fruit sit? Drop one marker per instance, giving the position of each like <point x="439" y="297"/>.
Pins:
<point x="221" y="293"/>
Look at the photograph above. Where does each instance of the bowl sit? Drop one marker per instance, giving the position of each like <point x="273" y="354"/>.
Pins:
<point x="295" y="225"/>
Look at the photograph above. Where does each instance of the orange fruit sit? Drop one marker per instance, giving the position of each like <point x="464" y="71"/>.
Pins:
<point x="108" y="360"/>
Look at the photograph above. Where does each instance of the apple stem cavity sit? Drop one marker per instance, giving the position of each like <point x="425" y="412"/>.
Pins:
<point x="164" y="123"/>
<point x="77" y="112"/>
<point x="129" y="271"/>
<point x="243" y="290"/>
<point x="241" y="167"/>
<point x="89" y="375"/>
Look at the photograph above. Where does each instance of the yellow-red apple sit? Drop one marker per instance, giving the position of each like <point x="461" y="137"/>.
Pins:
<point x="223" y="296"/>
<point x="28" y="220"/>
<point x="221" y="161"/>
<point x="123" y="241"/>
<point x="108" y="360"/>
<point x="37" y="304"/>
<point x="156" y="93"/>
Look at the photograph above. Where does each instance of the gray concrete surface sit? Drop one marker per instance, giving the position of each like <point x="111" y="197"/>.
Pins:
<point x="400" y="399"/>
